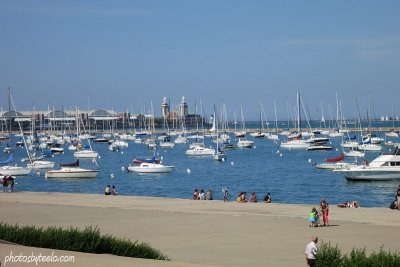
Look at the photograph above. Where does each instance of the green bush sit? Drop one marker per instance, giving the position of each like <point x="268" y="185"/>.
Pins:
<point x="88" y="240"/>
<point x="328" y="256"/>
<point x="331" y="256"/>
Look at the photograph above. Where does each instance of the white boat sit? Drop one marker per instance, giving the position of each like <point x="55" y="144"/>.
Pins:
<point x="41" y="164"/>
<point x="180" y="139"/>
<point x="354" y="153"/>
<point x="198" y="149"/>
<point x="334" y="165"/>
<point x="295" y="144"/>
<point x="146" y="167"/>
<point x="369" y="147"/>
<point x="392" y="134"/>
<point x="349" y="144"/>
<point x="86" y="154"/>
<point x="384" y="167"/>
<point x="15" y="170"/>
<point x="71" y="172"/>
<point x="244" y="143"/>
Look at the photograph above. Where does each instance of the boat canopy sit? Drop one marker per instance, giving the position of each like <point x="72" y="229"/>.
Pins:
<point x="7" y="160"/>
<point x="339" y="158"/>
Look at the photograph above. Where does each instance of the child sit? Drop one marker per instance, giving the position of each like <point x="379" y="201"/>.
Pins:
<point x="312" y="218"/>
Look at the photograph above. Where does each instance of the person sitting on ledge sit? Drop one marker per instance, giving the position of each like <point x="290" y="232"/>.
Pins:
<point x="267" y="198"/>
<point x="107" y="192"/>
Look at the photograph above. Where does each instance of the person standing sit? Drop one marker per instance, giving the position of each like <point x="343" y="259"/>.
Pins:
<point x="311" y="251"/>
<point x="325" y="212"/>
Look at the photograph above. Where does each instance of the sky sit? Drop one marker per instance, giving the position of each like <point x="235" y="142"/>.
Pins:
<point x="128" y="55"/>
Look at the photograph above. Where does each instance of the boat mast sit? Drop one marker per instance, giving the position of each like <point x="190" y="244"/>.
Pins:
<point x="298" y="113"/>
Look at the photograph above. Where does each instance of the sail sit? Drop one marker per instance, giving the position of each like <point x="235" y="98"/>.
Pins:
<point x="7" y="160"/>
<point x="339" y="158"/>
<point x="75" y="164"/>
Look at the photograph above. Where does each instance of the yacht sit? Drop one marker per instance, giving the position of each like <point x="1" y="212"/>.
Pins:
<point x="384" y="167"/>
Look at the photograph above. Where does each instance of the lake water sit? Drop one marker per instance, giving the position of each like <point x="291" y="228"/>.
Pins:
<point x="290" y="177"/>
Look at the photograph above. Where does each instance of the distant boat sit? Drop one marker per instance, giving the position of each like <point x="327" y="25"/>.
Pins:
<point x="146" y="167"/>
<point x="72" y="170"/>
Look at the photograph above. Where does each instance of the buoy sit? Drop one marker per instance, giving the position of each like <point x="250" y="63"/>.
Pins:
<point x="122" y="168"/>
<point x="232" y="163"/>
<point x="309" y="160"/>
<point x="38" y="173"/>
<point x="277" y="151"/>
<point x="122" y="152"/>
<point x="188" y="171"/>
<point x="280" y="155"/>
<point x="337" y="149"/>
<point x="161" y="158"/>
<point x="99" y="156"/>
<point x="112" y="175"/>
<point x="254" y="146"/>
<point x="223" y="159"/>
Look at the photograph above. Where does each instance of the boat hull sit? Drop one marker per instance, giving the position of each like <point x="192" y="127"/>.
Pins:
<point x="72" y="173"/>
<point x="15" y="170"/>
<point x="363" y="173"/>
<point x="152" y="168"/>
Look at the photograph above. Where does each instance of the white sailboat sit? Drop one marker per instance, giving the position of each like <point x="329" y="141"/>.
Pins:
<point x="296" y="142"/>
<point x="72" y="171"/>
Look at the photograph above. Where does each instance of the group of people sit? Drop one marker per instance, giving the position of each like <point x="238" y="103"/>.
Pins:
<point x="252" y="198"/>
<point x="8" y="183"/>
<point x="202" y="195"/>
<point x="315" y="215"/>
<point x="108" y="191"/>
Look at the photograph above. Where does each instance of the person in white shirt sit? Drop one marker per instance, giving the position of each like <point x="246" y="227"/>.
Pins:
<point x="311" y="250"/>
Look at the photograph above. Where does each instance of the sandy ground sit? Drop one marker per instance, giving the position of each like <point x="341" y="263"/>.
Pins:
<point x="194" y="233"/>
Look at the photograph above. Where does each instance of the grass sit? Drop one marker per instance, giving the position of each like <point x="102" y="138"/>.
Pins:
<point x="88" y="240"/>
<point x="329" y="256"/>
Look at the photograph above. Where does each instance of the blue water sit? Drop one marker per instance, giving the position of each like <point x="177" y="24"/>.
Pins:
<point x="290" y="178"/>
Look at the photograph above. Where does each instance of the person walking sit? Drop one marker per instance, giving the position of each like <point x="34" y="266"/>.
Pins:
<point x="311" y="251"/>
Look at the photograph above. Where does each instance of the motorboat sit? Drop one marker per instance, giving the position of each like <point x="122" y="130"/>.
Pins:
<point x="146" y="167"/>
<point x="72" y="170"/>
<point x="198" y="149"/>
<point x="384" y="167"/>
<point x="295" y="144"/>
<point x="244" y="143"/>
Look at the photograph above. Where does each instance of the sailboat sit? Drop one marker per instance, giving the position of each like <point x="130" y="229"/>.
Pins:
<point x="14" y="170"/>
<point x="296" y="141"/>
<point x="241" y="133"/>
<point x="84" y="153"/>
<point x="72" y="170"/>
<point x="260" y="133"/>
<point x="219" y="154"/>
<point x="274" y="136"/>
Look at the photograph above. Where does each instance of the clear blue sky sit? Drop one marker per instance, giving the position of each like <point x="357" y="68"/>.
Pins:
<point x="123" y="54"/>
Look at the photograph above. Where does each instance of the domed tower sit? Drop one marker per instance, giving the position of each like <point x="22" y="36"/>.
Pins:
<point x="183" y="108"/>
<point x="164" y="107"/>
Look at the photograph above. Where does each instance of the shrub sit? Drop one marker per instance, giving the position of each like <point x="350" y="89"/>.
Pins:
<point x="331" y="256"/>
<point x="88" y="240"/>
